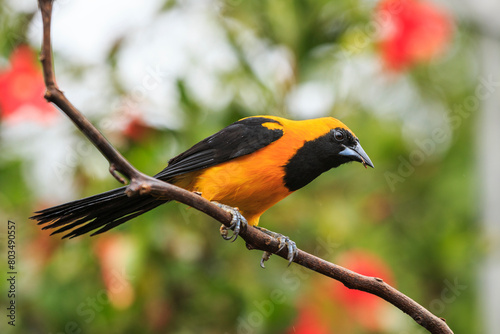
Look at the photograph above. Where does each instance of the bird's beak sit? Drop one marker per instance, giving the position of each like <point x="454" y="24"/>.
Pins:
<point x="357" y="153"/>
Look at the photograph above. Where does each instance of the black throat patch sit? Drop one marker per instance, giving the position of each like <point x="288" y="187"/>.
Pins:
<point x="311" y="160"/>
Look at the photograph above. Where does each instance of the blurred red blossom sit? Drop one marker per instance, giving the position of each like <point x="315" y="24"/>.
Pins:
<point x="136" y="128"/>
<point x="22" y="89"/>
<point x="411" y="31"/>
<point x="330" y="307"/>
<point x="41" y="246"/>
<point x="114" y="252"/>
<point x="309" y="321"/>
<point x="361" y="307"/>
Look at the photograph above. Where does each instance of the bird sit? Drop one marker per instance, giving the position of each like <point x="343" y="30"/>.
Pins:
<point x="245" y="168"/>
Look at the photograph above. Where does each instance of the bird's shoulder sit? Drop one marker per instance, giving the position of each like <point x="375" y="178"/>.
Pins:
<point x="238" y="139"/>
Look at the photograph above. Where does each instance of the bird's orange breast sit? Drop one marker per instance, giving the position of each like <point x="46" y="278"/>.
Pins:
<point x="252" y="183"/>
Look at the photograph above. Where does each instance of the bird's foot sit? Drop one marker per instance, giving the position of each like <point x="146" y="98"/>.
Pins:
<point x="238" y="222"/>
<point x="284" y="241"/>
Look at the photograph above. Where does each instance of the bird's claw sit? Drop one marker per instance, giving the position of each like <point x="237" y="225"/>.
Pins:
<point x="284" y="241"/>
<point x="224" y="232"/>
<point x="265" y="257"/>
<point x="238" y="222"/>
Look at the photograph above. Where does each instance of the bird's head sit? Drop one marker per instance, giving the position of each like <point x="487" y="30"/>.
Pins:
<point x="345" y="147"/>
<point x="333" y="146"/>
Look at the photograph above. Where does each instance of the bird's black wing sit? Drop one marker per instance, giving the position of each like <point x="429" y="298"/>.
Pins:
<point x="240" y="138"/>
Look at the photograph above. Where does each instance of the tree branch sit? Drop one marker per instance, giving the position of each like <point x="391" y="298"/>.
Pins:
<point x="142" y="184"/>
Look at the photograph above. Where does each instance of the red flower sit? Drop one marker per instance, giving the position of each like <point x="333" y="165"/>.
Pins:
<point x="411" y="31"/>
<point x="328" y="306"/>
<point x="136" y="128"/>
<point x="363" y="308"/>
<point x="309" y="321"/>
<point x="22" y="89"/>
<point x="114" y="251"/>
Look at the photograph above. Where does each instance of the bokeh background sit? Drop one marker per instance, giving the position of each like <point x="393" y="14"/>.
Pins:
<point x="417" y="81"/>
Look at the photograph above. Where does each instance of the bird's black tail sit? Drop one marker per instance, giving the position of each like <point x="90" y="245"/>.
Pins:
<point x="103" y="211"/>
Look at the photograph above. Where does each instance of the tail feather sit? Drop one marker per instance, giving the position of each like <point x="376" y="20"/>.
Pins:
<point x="103" y="212"/>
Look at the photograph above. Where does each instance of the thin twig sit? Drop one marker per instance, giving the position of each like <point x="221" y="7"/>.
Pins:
<point x="142" y="184"/>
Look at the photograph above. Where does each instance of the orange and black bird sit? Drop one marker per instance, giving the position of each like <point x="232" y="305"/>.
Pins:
<point x="251" y="165"/>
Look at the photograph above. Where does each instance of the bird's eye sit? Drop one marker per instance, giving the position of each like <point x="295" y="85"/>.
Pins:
<point x="339" y="135"/>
